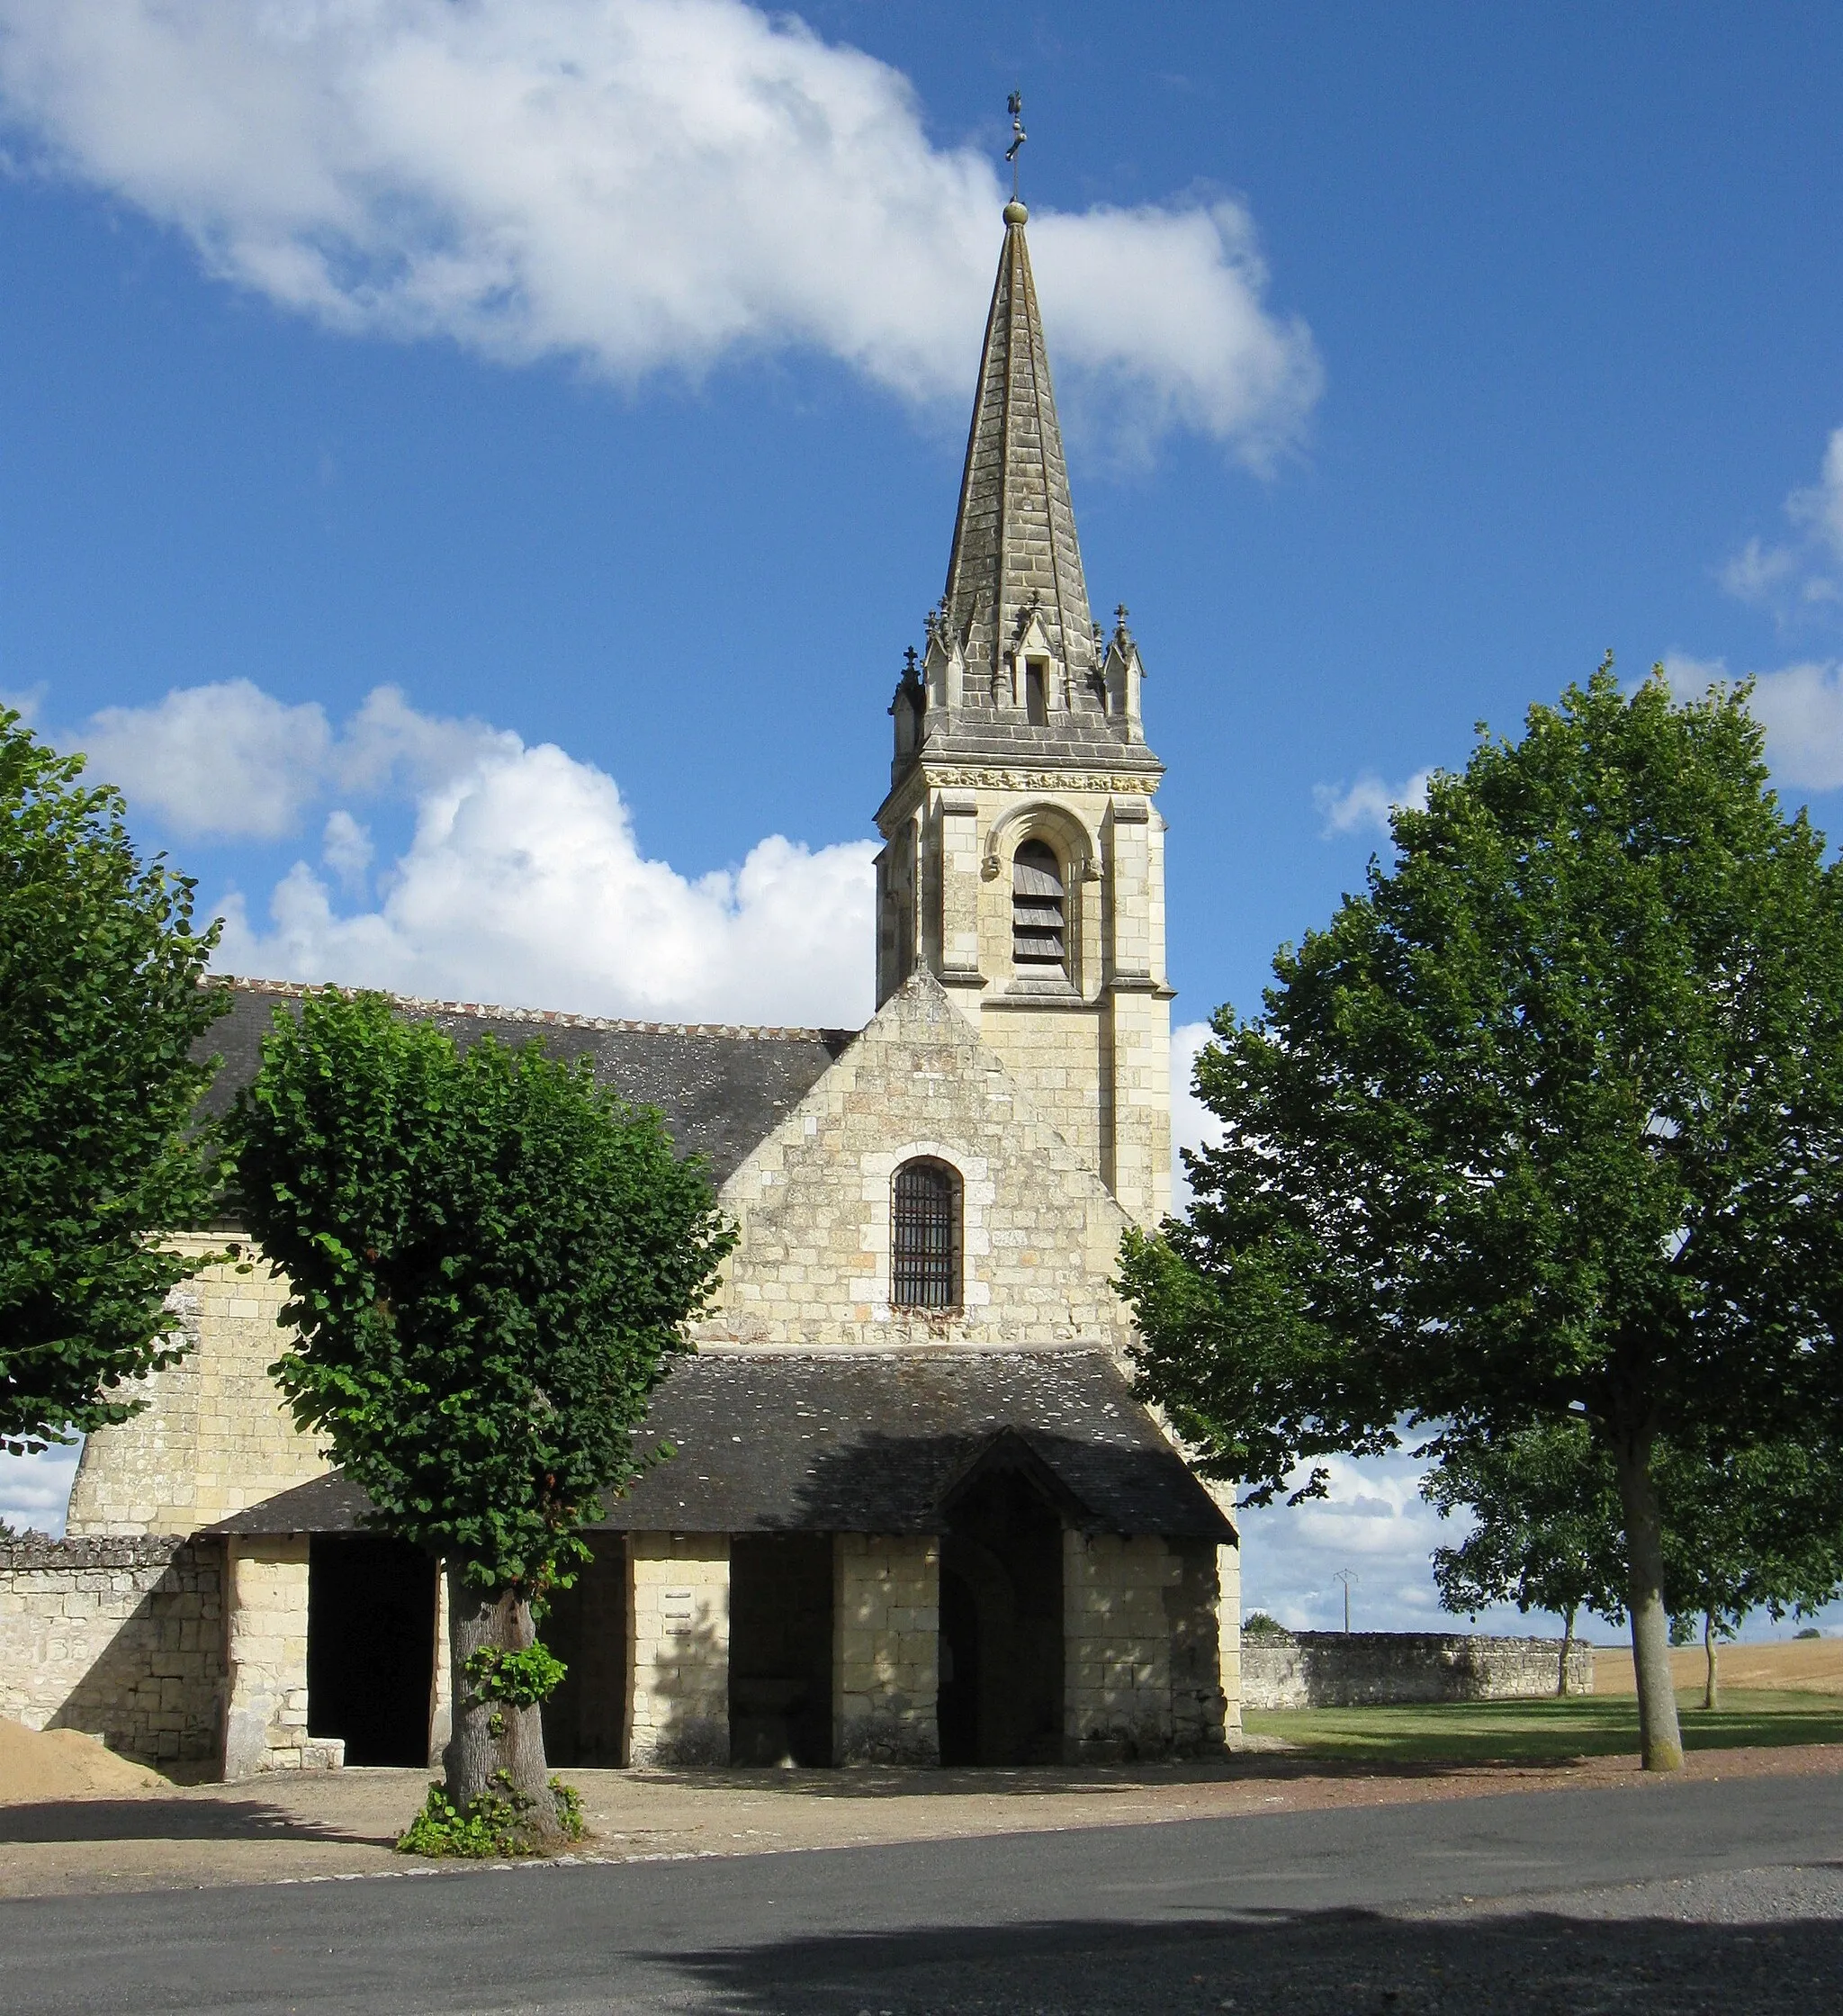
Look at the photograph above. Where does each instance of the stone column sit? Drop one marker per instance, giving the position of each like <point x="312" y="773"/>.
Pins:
<point x="1116" y="1641"/>
<point x="266" y="1647"/>
<point x="885" y="1648"/>
<point x="1229" y="1579"/>
<point x="679" y="1636"/>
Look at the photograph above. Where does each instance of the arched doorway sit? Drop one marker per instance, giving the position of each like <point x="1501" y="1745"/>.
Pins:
<point x="1000" y="1699"/>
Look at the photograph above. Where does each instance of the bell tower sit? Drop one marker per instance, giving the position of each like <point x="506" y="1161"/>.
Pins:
<point x="1024" y="855"/>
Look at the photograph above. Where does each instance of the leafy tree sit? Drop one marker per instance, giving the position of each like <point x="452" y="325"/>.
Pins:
<point x="489" y="1259"/>
<point x="1548" y="1536"/>
<point x="101" y="1012"/>
<point x="1747" y="1529"/>
<point x="1546" y="1123"/>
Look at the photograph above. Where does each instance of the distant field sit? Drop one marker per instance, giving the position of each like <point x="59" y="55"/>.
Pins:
<point x="1812" y="1665"/>
<point x="1551" y="1731"/>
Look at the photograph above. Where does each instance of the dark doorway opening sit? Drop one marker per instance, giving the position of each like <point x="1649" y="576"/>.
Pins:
<point x="1002" y="1623"/>
<point x="780" y="1648"/>
<point x="371" y="1646"/>
<point x="586" y="1626"/>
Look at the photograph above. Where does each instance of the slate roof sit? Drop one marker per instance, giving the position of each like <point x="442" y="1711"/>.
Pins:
<point x="854" y="1442"/>
<point x="721" y="1089"/>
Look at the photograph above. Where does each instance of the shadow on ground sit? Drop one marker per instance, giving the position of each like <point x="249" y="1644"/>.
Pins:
<point x="172" y="1820"/>
<point x="1534" y="1964"/>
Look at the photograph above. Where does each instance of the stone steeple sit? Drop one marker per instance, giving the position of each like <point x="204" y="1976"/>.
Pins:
<point x="1016" y="667"/>
<point x="1024" y="857"/>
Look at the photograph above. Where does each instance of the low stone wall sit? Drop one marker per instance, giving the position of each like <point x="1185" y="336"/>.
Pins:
<point x="120" y="1638"/>
<point x="1345" y="1669"/>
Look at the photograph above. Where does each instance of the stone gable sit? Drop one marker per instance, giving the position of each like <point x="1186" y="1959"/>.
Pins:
<point x="1040" y="1234"/>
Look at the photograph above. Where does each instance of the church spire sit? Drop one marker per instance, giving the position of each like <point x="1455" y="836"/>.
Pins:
<point x="1016" y="565"/>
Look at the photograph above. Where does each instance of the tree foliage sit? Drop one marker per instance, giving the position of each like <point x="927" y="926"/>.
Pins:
<point x="1547" y="1534"/>
<point x="489" y="1260"/>
<point x="1545" y="1124"/>
<point x="101" y="1010"/>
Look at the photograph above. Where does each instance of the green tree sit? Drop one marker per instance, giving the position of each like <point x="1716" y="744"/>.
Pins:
<point x="100" y="1013"/>
<point x="1547" y="1534"/>
<point x="1547" y="1122"/>
<point x="490" y="1259"/>
<point x="1755" y="1529"/>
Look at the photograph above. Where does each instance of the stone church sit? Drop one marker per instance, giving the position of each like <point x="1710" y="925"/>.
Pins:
<point x="914" y="1514"/>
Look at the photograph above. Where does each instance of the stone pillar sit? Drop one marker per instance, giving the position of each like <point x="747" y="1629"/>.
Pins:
<point x="678" y="1633"/>
<point x="441" y="1688"/>
<point x="1228" y="1580"/>
<point x="265" y="1649"/>
<point x="885" y="1648"/>
<point x="1117" y="1645"/>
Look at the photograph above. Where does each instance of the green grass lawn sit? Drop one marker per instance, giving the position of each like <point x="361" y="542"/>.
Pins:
<point x="1545" y="1731"/>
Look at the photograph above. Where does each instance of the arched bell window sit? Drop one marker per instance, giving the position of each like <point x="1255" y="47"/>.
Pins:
<point x="924" y="1260"/>
<point x="1038" y="918"/>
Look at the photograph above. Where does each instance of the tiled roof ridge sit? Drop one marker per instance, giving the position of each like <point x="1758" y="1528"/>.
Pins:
<point x="543" y="1018"/>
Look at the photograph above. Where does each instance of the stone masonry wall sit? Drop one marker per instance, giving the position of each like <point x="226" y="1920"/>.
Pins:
<point x="1341" y="1670"/>
<point x="215" y="1438"/>
<point x="885" y="1669"/>
<point x="1041" y="1233"/>
<point x="266" y="1723"/>
<point x="123" y="1639"/>
<point x="679" y="1631"/>
<point x="1141" y="1673"/>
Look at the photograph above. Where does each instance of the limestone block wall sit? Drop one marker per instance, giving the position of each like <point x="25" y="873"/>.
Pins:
<point x="1041" y="1232"/>
<point x="122" y="1638"/>
<point x="886" y="1670"/>
<point x="1229" y="1639"/>
<point x="1058" y="1056"/>
<point x="1141" y="1673"/>
<point x="265" y="1615"/>
<point x="679" y="1633"/>
<point x="214" y="1438"/>
<point x="1343" y="1670"/>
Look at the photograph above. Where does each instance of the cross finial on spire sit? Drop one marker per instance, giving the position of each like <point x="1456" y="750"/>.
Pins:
<point x="1120" y="613"/>
<point x="1014" y="104"/>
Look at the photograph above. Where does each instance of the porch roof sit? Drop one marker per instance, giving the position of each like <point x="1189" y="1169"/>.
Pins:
<point x="863" y="1442"/>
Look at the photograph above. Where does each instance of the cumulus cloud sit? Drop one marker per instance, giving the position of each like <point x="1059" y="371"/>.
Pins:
<point x="525" y="885"/>
<point x="1193" y="1125"/>
<point x="635" y="183"/>
<point x="230" y="761"/>
<point x="1364" y="806"/>
<point x="1799" y="707"/>
<point x="1804" y="573"/>
<point x="34" y="1491"/>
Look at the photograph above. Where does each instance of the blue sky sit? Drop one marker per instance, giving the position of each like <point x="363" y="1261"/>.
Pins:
<point x="593" y="379"/>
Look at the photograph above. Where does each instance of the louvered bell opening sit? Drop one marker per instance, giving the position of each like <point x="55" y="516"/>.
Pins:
<point x="922" y="1257"/>
<point x="1037" y="914"/>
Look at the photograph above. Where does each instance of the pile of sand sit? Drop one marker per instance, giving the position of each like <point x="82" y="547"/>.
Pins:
<point x="65" y="1764"/>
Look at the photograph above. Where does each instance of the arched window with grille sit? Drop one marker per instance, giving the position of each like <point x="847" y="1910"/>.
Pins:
<point x="925" y="1237"/>
<point x="1038" y="918"/>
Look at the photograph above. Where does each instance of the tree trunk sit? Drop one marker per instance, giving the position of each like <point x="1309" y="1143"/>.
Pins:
<point x="1660" y="1741"/>
<point x="1567" y="1646"/>
<point x="491" y="1736"/>
<point x="1711" y="1686"/>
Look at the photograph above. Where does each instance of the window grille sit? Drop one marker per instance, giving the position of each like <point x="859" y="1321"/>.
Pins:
<point x="924" y="1246"/>
<point x="1037" y="911"/>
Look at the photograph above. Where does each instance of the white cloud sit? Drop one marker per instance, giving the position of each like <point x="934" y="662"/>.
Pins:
<point x="1192" y="1124"/>
<point x="34" y="1491"/>
<point x="1365" y="806"/>
<point x="346" y="847"/>
<point x="636" y="183"/>
<point x="525" y="885"/>
<point x="1799" y="707"/>
<point x="1804" y="573"/>
<point x="223" y="759"/>
<point x="230" y="761"/>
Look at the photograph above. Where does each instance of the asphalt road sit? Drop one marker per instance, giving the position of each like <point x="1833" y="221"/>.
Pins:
<point x="1719" y="1896"/>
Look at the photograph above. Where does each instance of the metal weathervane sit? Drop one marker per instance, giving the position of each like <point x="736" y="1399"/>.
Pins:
<point x="1014" y="104"/>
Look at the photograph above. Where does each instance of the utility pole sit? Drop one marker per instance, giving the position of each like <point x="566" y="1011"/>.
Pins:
<point x="1346" y="1576"/>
